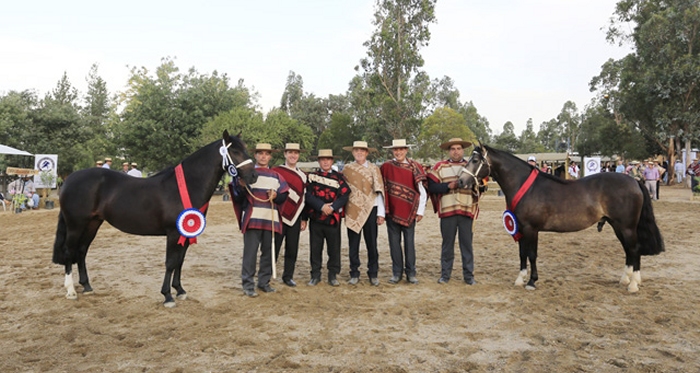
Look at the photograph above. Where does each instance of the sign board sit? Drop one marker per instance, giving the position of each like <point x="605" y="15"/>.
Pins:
<point x="45" y="164"/>
<point x="21" y="171"/>
<point x="591" y="165"/>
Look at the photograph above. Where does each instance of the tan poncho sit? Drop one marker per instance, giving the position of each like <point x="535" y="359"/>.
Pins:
<point x="365" y="183"/>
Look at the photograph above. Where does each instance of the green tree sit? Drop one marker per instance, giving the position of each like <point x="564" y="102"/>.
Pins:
<point x="393" y="83"/>
<point x="164" y="114"/>
<point x="445" y="123"/>
<point x="16" y="121"/>
<point x="58" y="128"/>
<point x="551" y="136"/>
<point x="339" y="134"/>
<point x="507" y="140"/>
<point x="98" y="112"/>
<point x="528" y="140"/>
<point x="654" y="89"/>
<point x="569" y="120"/>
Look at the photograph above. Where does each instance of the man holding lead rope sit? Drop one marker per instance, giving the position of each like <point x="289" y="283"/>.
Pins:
<point x="258" y="205"/>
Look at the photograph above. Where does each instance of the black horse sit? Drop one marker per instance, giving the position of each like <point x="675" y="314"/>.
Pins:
<point x="550" y="204"/>
<point x="143" y="206"/>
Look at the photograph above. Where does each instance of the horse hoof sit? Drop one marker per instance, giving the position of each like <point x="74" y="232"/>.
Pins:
<point x="169" y="304"/>
<point x="530" y="287"/>
<point x="182" y="296"/>
<point x="625" y="281"/>
<point x="72" y="296"/>
<point x="633" y="288"/>
<point x="88" y="292"/>
<point x="519" y="282"/>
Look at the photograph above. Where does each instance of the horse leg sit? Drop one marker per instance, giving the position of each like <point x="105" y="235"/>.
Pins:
<point x="72" y="241"/>
<point x="68" y="283"/>
<point x="520" y="281"/>
<point x="181" y="293"/>
<point x="85" y="241"/>
<point x="171" y="257"/>
<point x="529" y="241"/>
<point x="631" y="275"/>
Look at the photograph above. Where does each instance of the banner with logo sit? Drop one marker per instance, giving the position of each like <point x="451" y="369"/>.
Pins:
<point x="591" y="165"/>
<point x="46" y="164"/>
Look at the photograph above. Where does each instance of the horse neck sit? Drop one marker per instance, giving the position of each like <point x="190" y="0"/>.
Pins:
<point x="202" y="172"/>
<point x="510" y="174"/>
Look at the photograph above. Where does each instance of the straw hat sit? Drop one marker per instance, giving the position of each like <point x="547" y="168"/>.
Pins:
<point x="293" y="146"/>
<point x="453" y="141"/>
<point x="125" y="164"/>
<point x="134" y="164"/>
<point x="359" y="145"/>
<point x="99" y="162"/>
<point x="263" y="146"/>
<point x="325" y="153"/>
<point x="108" y="159"/>
<point x="398" y="143"/>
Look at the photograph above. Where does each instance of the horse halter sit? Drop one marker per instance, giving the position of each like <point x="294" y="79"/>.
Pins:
<point x="227" y="161"/>
<point x="483" y="162"/>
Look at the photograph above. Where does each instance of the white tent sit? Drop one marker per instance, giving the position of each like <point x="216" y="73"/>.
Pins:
<point x="4" y="149"/>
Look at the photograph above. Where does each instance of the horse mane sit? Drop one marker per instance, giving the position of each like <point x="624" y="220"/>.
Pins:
<point x="235" y="140"/>
<point x="513" y="158"/>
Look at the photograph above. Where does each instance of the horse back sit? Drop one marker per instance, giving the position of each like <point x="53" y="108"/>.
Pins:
<point x="571" y="206"/>
<point x="132" y="205"/>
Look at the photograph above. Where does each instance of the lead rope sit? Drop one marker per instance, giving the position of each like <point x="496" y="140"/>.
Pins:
<point x="272" y="228"/>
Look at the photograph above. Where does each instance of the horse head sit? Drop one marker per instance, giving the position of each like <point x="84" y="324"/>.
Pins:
<point x="476" y="169"/>
<point x="243" y="162"/>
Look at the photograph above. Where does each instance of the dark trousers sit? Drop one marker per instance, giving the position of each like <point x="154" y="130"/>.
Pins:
<point x="318" y="233"/>
<point x="290" y="235"/>
<point x="450" y="227"/>
<point x="395" y="231"/>
<point x="252" y="239"/>
<point x="369" y="230"/>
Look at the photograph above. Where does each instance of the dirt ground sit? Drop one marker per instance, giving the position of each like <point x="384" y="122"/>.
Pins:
<point x="580" y="319"/>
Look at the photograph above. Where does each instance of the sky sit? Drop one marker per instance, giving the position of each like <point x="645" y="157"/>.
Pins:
<point x="513" y="59"/>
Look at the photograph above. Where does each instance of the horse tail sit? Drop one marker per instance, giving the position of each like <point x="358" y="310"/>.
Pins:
<point x="60" y="256"/>
<point x="648" y="235"/>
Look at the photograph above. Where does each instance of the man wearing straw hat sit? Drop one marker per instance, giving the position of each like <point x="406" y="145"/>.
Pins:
<point x="135" y="172"/>
<point x="291" y="211"/>
<point x="364" y="211"/>
<point x="258" y="207"/>
<point x="108" y="163"/>
<point x="326" y="195"/>
<point x="457" y="207"/>
<point x="405" y="185"/>
<point x="125" y="167"/>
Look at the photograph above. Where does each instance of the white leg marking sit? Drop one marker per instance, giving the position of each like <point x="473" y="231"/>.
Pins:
<point x="70" y="289"/>
<point x="626" y="274"/>
<point x="638" y="277"/>
<point x="182" y="296"/>
<point x="520" y="281"/>
<point x="169" y="304"/>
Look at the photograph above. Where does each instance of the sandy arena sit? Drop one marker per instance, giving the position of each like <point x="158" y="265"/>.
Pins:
<point x="580" y="319"/>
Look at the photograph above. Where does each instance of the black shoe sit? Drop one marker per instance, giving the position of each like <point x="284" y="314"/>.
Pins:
<point x="394" y="279"/>
<point x="250" y="292"/>
<point x="333" y="282"/>
<point x="374" y="281"/>
<point x="354" y="280"/>
<point x="267" y="288"/>
<point x="470" y="281"/>
<point x="291" y="283"/>
<point x="314" y="281"/>
<point x="443" y="280"/>
<point x="412" y="279"/>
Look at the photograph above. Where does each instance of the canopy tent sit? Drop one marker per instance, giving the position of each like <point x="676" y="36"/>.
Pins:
<point x="4" y="149"/>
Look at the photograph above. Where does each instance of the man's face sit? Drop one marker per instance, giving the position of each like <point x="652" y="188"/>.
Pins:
<point x="456" y="152"/>
<point x="360" y="155"/>
<point x="325" y="163"/>
<point x="400" y="153"/>
<point x="292" y="157"/>
<point x="125" y="167"/>
<point x="262" y="157"/>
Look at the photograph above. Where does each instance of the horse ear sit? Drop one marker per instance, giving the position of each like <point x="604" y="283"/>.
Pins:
<point x="226" y="136"/>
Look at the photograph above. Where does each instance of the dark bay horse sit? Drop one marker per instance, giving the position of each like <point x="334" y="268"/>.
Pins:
<point x="550" y="204"/>
<point x="144" y="206"/>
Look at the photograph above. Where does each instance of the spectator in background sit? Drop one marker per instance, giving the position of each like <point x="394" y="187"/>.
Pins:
<point x="125" y="167"/>
<point x="573" y="170"/>
<point x="108" y="163"/>
<point x="134" y="170"/>
<point x="679" y="170"/>
<point x="620" y="169"/>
